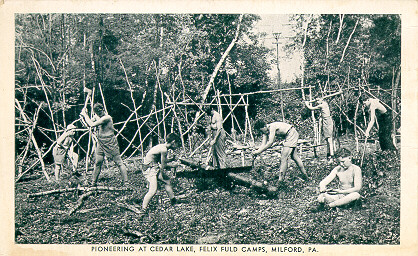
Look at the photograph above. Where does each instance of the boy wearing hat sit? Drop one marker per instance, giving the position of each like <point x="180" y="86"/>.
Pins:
<point x="60" y="150"/>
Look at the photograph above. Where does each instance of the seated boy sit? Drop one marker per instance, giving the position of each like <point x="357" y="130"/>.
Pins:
<point x="350" y="182"/>
<point x="155" y="163"/>
<point x="60" y="149"/>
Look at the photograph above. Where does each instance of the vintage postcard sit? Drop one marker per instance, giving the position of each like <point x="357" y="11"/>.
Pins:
<point x="209" y="127"/>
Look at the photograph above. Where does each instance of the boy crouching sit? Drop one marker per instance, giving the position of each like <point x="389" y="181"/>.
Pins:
<point x="155" y="164"/>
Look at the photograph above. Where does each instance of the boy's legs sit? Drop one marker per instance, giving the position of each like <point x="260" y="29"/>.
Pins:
<point x="122" y="168"/>
<point x="97" y="168"/>
<point x="167" y="184"/>
<point x="57" y="171"/>
<point x="59" y="157"/>
<point x="345" y="200"/>
<point x="327" y="198"/>
<point x="299" y="162"/>
<point x="152" y="189"/>
<point x="283" y="162"/>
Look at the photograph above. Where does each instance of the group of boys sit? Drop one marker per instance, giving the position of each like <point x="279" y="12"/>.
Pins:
<point x="157" y="160"/>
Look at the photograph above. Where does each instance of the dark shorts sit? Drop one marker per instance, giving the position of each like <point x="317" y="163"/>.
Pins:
<point x="385" y="130"/>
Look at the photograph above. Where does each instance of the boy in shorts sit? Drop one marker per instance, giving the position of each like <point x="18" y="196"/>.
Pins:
<point x="155" y="163"/>
<point x="350" y="182"/>
<point x="269" y="132"/>
<point x="60" y="150"/>
<point x="107" y="144"/>
<point x="327" y="123"/>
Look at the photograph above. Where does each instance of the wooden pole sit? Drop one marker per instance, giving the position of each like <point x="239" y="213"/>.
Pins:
<point x="30" y="133"/>
<point x="315" y="127"/>
<point x="103" y="99"/>
<point x="162" y="99"/>
<point x="355" y="124"/>
<point x="348" y="41"/>
<point x="37" y="66"/>
<point x="218" y="66"/>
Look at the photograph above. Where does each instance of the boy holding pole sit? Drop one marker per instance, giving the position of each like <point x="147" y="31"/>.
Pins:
<point x="327" y="123"/>
<point x="107" y="144"/>
<point x="216" y="156"/>
<point x="60" y="150"/>
<point x="380" y="115"/>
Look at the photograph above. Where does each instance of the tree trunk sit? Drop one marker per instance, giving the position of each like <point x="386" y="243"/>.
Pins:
<point x="218" y="66"/>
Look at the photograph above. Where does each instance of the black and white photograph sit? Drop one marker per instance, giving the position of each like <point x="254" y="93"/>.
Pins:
<point x="209" y="132"/>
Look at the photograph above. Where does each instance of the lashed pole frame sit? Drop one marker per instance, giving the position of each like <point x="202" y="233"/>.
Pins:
<point x="90" y="142"/>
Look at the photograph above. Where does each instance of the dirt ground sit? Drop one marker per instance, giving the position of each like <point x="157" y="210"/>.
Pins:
<point x="214" y="214"/>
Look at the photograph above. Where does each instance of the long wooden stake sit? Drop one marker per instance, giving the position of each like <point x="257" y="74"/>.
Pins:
<point x="134" y="104"/>
<point x="37" y="66"/>
<point x="355" y="124"/>
<point x="30" y="133"/>
<point x="348" y="41"/>
<point x="103" y="99"/>
<point x="162" y="99"/>
<point x="364" y="151"/>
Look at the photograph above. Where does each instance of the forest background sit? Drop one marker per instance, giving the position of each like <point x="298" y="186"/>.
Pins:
<point x="139" y="65"/>
<point x="140" y="61"/>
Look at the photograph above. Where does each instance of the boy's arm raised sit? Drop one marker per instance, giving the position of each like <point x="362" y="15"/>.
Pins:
<point x="61" y="139"/>
<point x="101" y="120"/>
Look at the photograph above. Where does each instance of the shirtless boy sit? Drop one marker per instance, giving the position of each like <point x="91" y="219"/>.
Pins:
<point x="107" y="142"/>
<point x="155" y="164"/>
<point x="350" y="182"/>
<point x="327" y="123"/>
<point x="269" y="132"/>
<point x="379" y="113"/>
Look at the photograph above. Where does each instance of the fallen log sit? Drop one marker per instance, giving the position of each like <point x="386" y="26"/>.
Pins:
<point x="84" y="189"/>
<point x="50" y="192"/>
<point x="205" y="171"/>
<point x="251" y="183"/>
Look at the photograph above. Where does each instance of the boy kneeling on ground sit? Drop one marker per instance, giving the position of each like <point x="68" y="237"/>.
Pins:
<point x="350" y="182"/>
<point x="155" y="163"/>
